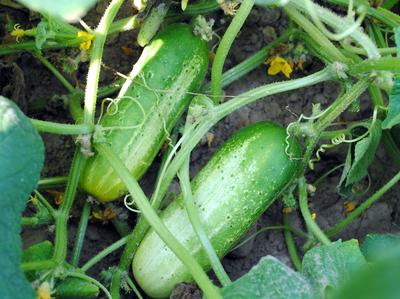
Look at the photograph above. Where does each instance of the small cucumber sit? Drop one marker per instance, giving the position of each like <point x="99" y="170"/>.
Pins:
<point x="237" y="185"/>
<point x="75" y="288"/>
<point x="148" y="106"/>
<point x="151" y="24"/>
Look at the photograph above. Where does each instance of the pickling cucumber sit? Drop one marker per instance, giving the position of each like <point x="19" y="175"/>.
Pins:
<point x="146" y="109"/>
<point x="237" y="185"/>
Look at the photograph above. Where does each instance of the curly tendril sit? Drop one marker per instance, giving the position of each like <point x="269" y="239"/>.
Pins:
<point x="129" y="205"/>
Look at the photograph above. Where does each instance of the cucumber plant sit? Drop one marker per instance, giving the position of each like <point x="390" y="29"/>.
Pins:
<point x="114" y="148"/>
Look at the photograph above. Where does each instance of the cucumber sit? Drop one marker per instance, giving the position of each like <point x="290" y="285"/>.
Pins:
<point x="76" y="288"/>
<point x="237" y="185"/>
<point x="174" y="64"/>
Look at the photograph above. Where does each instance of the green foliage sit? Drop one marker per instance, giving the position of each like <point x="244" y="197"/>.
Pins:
<point x="380" y="280"/>
<point x="393" y="115"/>
<point x="364" y="154"/>
<point x="66" y="9"/>
<point x="21" y="160"/>
<point x="357" y="163"/>
<point x="327" y="267"/>
<point x="269" y="279"/>
<point x="38" y="252"/>
<point x="43" y="32"/>
<point x="324" y="269"/>
<point x="376" y="246"/>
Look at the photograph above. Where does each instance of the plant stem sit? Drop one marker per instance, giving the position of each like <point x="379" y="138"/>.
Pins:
<point x="123" y="25"/>
<point x="52" y="182"/>
<point x="341" y="104"/>
<point x="102" y="254"/>
<point x="133" y="241"/>
<point x="385" y="16"/>
<point x="159" y="227"/>
<point x="45" y="203"/>
<point x="312" y="226"/>
<point x="61" y="129"/>
<point x="38" y="265"/>
<point x="338" y="23"/>
<point x="34" y="221"/>
<point x="251" y="62"/>
<point x="80" y="237"/>
<point x="61" y="237"/>
<point x="390" y="64"/>
<point x="198" y="226"/>
<point x="96" y="59"/>
<point x="291" y="246"/>
<point x="365" y="205"/>
<point x="332" y="52"/>
<point x="134" y="288"/>
<point x="56" y="73"/>
<point x="225" y="45"/>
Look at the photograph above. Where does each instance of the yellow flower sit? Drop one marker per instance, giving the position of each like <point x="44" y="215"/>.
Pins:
<point x="58" y="196"/>
<point x="287" y="210"/>
<point x="88" y="40"/>
<point x="18" y="32"/>
<point x="313" y="216"/>
<point x="279" y="64"/>
<point x="349" y="206"/>
<point x="44" y="291"/>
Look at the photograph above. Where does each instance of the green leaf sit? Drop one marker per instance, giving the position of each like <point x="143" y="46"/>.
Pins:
<point x="379" y="281"/>
<point x="329" y="266"/>
<point x="341" y="187"/>
<point x="269" y="279"/>
<point x="66" y="9"/>
<point x="21" y="159"/>
<point x="375" y="246"/>
<point x="393" y="115"/>
<point x="364" y="154"/>
<point x="37" y="252"/>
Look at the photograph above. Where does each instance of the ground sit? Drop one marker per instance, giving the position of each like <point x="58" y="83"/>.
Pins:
<point x="36" y="83"/>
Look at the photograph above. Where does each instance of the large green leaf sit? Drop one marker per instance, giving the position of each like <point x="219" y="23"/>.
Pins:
<point x="376" y="246"/>
<point x="330" y="266"/>
<point x="269" y="279"/>
<point x="379" y="281"/>
<point x="21" y="159"/>
<point x="66" y="9"/>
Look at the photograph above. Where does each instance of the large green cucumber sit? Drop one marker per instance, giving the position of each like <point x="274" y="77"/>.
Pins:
<point x="236" y="186"/>
<point x="150" y="103"/>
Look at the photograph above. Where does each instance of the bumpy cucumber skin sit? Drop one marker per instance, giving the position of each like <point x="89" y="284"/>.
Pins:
<point x="236" y="186"/>
<point x="76" y="288"/>
<point x="174" y="64"/>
